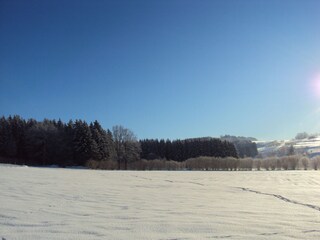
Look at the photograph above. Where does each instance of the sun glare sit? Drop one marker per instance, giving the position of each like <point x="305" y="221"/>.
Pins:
<point x="315" y="86"/>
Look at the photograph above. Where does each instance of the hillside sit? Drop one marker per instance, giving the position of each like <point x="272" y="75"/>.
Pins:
<point x="308" y="146"/>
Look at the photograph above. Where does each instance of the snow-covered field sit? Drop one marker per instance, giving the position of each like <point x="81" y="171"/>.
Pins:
<point x="44" y="203"/>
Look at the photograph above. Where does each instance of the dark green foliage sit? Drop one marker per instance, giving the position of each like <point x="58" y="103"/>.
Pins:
<point x="42" y="141"/>
<point x="7" y="144"/>
<point x="180" y="150"/>
<point x="50" y="142"/>
<point x="105" y="146"/>
<point x="84" y="146"/>
<point x="244" y="146"/>
<point x="12" y="138"/>
<point x="53" y="142"/>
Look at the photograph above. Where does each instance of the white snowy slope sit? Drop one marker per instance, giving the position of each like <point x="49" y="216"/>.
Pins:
<point x="307" y="146"/>
<point x="40" y="203"/>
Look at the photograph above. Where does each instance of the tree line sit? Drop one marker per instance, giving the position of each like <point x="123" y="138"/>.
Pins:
<point x="181" y="150"/>
<point x="245" y="146"/>
<point x="78" y="143"/>
<point x="51" y="142"/>
<point x="293" y="162"/>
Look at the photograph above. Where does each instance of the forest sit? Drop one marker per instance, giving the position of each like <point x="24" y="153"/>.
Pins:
<point x="78" y="143"/>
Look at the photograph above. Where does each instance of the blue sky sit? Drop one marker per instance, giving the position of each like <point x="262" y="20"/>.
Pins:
<point x="165" y="69"/>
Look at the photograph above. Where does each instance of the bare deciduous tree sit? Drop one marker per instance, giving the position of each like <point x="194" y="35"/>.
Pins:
<point x="315" y="161"/>
<point x="126" y="145"/>
<point x="305" y="163"/>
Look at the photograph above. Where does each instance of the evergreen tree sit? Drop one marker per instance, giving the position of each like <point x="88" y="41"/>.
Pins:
<point x="84" y="146"/>
<point x="103" y="140"/>
<point x="8" y="147"/>
<point x="180" y="150"/>
<point x="17" y="126"/>
<point x="42" y="143"/>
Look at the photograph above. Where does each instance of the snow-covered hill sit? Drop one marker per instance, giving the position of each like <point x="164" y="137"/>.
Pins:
<point x="308" y="146"/>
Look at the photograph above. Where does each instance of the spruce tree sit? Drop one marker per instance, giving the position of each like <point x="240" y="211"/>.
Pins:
<point x="85" y="147"/>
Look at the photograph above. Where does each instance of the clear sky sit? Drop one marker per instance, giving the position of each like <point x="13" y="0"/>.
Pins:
<point x="166" y="68"/>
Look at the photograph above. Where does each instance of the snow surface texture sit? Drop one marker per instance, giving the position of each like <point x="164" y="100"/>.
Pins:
<point x="40" y="203"/>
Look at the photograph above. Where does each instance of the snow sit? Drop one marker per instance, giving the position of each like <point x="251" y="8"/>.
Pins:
<point x="308" y="146"/>
<point x="53" y="203"/>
